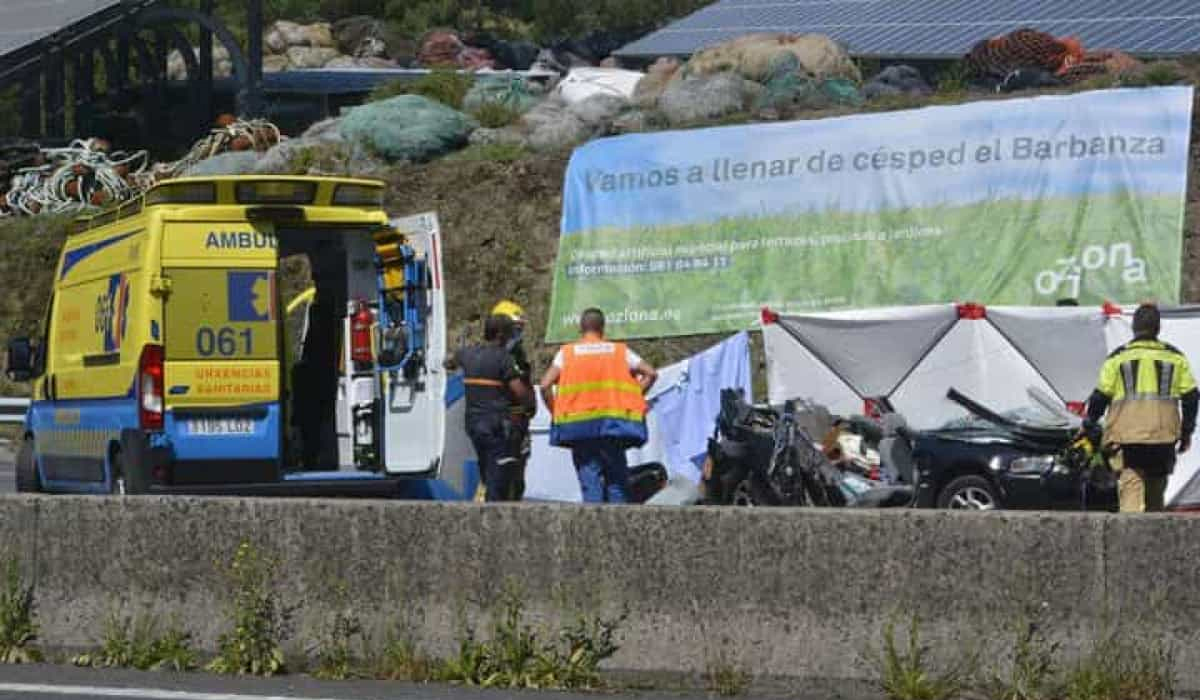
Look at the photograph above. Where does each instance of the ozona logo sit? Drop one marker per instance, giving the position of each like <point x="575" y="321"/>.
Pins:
<point x="112" y="312"/>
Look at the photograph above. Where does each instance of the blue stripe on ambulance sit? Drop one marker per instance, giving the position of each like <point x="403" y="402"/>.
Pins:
<point x="81" y="446"/>
<point x="73" y="257"/>
<point x="456" y="389"/>
<point x="439" y="489"/>
<point x="263" y="443"/>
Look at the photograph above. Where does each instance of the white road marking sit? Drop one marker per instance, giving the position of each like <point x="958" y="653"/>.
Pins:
<point x="150" y="693"/>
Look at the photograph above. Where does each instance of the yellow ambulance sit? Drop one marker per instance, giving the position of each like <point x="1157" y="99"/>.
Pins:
<point x="165" y="361"/>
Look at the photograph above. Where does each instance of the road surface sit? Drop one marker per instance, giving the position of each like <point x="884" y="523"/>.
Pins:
<point x="7" y="483"/>
<point x="68" y="683"/>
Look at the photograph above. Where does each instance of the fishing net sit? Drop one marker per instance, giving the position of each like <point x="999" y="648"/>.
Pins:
<point x="88" y="174"/>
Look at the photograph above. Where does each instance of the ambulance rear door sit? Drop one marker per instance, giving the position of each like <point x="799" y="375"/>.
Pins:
<point x="222" y="351"/>
<point x="414" y="401"/>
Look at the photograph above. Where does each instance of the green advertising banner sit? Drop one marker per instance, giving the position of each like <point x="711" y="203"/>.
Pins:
<point x="1016" y="202"/>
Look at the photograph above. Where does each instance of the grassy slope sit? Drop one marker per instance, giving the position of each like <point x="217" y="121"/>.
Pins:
<point x="28" y="254"/>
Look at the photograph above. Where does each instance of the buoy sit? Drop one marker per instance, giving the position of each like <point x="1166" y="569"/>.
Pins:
<point x="266" y="135"/>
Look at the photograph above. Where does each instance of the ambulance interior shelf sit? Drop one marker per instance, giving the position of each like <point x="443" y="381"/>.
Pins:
<point x="404" y="282"/>
<point x="383" y="335"/>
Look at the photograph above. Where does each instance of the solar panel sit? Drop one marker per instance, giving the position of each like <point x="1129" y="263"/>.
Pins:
<point x="25" y="22"/>
<point x="936" y="28"/>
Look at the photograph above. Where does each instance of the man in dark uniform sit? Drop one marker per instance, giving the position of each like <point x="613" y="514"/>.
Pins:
<point x="494" y="385"/>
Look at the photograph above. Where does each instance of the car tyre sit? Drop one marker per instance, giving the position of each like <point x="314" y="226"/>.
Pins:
<point x="26" y="469"/>
<point x="750" y="491"/>
<point x="117" y="485"/>
<point x="131" y="458"/>
<point x="969" y="493"/>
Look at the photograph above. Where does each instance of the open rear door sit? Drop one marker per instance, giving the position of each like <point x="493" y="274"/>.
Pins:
<point x="414" y="413"/>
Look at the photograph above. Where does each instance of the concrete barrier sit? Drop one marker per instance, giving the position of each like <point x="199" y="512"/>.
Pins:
<point x="799" y="593"/>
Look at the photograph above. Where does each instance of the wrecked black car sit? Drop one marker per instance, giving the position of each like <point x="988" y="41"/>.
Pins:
<point x="761" y="456"/>
<point x="1023" y="460"/>
<point x="1031" y="459"/>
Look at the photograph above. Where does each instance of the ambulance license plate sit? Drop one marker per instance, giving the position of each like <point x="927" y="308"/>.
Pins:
<point x="220" y="426"/>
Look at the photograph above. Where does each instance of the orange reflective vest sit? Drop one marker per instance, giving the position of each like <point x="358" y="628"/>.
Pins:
<point x="598" y="398"/>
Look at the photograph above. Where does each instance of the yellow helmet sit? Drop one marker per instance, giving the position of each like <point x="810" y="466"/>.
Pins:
<point x="511" y="309"/>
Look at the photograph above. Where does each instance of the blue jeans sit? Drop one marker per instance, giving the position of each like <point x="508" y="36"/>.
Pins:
<point x="603" y="471"/>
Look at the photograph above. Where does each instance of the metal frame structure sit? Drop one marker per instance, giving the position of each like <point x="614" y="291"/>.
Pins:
<point x="127" y="46"/>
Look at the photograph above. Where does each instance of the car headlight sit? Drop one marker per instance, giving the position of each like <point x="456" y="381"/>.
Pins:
<point x="1031" y="465"/>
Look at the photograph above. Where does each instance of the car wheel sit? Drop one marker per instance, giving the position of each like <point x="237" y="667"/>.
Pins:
<point x="743" y="494"/>
<point x="969" y="493"/>
<point x="26" y="469"/>
<point x="749" y="491"/>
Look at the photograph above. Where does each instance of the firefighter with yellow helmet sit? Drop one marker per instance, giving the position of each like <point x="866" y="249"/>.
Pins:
<point x="520" y="414"/>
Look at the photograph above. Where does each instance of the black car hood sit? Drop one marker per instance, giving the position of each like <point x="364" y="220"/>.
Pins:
<point x="1021" y="427"/>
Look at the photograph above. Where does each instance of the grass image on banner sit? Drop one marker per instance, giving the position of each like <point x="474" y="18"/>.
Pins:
<point x="994" y="251"/>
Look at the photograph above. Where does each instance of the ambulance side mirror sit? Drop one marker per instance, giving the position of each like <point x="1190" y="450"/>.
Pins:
<point x="20" y="361"/>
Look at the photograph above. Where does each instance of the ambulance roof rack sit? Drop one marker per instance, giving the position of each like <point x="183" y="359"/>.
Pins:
<point x="126" y="210"/>
<point x="252" y="191"/>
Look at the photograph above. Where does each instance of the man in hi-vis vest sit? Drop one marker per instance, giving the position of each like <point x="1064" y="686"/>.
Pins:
<point x="1143" y="386"/>
<point x="599" y="408"/>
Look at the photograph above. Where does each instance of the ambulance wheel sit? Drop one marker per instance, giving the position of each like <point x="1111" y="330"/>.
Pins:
<point x="26" y="469"/>
<point x="116" y="482"/>
<point x="131" y="470"/>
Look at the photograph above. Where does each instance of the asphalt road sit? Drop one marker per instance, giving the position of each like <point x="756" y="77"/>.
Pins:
<point x="7" y="483"/>
<point x="69" y="683"/>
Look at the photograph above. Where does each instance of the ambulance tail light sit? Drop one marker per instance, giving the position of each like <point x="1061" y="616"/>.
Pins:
<point x="150" y="388"/>
<point x="358" y="196"/>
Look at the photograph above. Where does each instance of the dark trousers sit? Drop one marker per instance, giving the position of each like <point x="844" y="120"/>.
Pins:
<point x="498" y="468"/>
<point x="520" y="447"/>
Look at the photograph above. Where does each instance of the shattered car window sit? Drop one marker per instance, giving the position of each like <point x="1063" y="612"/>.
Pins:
<point x="1030" y="416"/>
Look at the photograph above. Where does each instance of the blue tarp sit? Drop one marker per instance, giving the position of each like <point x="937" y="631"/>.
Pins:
<point x="684" y="404"/>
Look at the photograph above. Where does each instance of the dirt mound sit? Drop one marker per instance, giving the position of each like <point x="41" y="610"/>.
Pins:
<point x="500" y="224"/>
